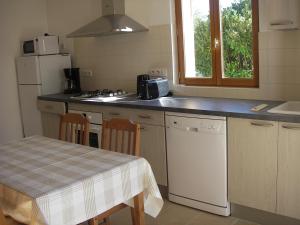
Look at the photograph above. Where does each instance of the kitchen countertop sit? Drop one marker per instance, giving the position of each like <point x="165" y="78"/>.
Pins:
<point x="239" y="108"/>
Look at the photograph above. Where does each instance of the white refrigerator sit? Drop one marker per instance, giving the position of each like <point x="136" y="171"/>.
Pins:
<point x="38" y="75"/>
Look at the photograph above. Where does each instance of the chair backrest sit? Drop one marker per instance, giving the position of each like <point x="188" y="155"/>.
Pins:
<point x="2" y="218"/>
<point x="74" y="128"/>
<point x="121" y="135"/>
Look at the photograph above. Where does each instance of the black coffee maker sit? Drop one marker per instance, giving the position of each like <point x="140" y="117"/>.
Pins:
<point x="72" y="83"/>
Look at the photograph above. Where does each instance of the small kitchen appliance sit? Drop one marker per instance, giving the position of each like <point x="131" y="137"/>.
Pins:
<point x="72" y="82"/>
<point x="148" y="88"/>
<point x="140" y="80"/>
<point x="41" y="45"/>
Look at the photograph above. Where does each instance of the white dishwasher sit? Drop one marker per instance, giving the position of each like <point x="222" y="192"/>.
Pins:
<point x="197" y="161"/>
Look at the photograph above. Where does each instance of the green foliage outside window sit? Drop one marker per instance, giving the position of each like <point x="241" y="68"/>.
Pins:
<point x="236" y="40"/>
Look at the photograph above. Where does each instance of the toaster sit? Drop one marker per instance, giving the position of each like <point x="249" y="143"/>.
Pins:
<point x="152" y="88"/>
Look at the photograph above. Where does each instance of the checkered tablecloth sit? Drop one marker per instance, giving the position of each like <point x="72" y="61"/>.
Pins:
<point x="66" y="184"/>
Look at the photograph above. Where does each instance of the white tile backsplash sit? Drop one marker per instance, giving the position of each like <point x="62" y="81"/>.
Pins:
<point x="279" y="71"/>
<point x="117" y="60"/>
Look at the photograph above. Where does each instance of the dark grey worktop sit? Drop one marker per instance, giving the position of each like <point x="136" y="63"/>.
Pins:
<point x="197" y="105"/>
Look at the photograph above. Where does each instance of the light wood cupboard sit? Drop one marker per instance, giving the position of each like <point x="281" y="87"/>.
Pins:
<point x="153" y="149"/>
<point x="153" y="146"/>
<point x="282" y="14"/>
<point x="150" y="117"/>
<point x="51" y="113"/>
<point x="288" y="194"/>
<point x="252" y="155"/>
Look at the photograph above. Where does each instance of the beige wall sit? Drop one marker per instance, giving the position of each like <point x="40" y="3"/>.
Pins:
<point x="115" y="61"/>
<point x="65" y="16"/>
<point x="18" y="20"/>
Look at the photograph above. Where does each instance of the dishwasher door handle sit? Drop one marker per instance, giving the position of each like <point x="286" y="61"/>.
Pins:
<point x="188" y="129"/>
<point x="192" y="129"/>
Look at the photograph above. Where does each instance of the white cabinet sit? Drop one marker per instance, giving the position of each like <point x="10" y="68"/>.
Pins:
<point x="282" y="14"/>
<point x="288" y="195"/>
<point x="252" y="155"/>
<point x="51" y="113"/>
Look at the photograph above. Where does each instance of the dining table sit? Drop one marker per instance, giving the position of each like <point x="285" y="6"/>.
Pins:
<point x="45" y="181"/>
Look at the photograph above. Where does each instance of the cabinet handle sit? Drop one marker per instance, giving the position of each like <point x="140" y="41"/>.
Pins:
<point x="143" y="128"/>
<point x="282" y="22"/>
<point x="259" y="124"/>
<point x="145" y="116"/>
<point x="290" y="127"/>
<point x="114" y="114"/>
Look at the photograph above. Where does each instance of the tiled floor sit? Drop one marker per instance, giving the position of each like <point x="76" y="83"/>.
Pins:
<point x="173" y="214"/>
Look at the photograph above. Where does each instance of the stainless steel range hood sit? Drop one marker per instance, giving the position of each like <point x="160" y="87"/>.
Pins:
<point x="113" y="22"/>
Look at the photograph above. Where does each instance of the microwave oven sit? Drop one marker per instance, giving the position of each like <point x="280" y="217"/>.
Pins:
<point x="41" y="45"/>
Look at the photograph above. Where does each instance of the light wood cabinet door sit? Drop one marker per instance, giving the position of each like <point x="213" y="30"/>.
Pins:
<point x="153" y="148"/>
<point x="252" y="155"/>
<point x="289" y="170"/>
<point x="51" y="113"/>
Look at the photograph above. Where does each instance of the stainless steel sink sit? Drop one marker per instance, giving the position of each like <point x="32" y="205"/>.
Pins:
<point x="290" y="107"/>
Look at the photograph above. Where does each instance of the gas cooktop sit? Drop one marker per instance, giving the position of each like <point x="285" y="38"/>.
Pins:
<point x="102" y="95"/>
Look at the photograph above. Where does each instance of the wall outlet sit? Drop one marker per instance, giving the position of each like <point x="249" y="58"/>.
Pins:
<point x="86" y="73"/>
<point x="162" y="72"/>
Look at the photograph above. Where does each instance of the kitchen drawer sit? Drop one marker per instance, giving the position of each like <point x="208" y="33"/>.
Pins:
<point x="136" y="115"/>
<point x="51" y="107"/>
<point x="147" y="117"/>
<point x="86" y="107"/>
<point x="115" y="112"/>
<point x="153" y="148"/>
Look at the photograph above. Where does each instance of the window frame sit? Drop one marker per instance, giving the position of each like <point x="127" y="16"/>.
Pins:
<point x="217" y="79"/>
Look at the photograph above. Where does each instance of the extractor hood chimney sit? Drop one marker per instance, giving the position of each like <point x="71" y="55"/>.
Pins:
<point x="113" y="21"/>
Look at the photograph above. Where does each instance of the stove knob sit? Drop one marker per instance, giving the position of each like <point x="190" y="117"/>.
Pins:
<point x="111" y="95"/>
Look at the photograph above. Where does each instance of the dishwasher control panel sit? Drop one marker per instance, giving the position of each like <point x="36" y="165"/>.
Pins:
<point x="196" y="124"/>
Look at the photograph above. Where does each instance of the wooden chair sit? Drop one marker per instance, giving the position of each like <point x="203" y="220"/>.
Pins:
<point x="119" y="135"/>
<point x="6" y="220"/>
<point x="74" y="128"/>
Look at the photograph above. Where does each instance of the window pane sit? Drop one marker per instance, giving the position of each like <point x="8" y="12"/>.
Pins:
<point x="197" y="38"/>
<point x="202" y="38"/>
<point x="237" y="38"/>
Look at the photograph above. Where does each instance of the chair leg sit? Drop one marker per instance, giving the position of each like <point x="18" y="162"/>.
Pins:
<point x="139" y="216"/>
<point x="132" y="216"/>
<point x="93" y="221"/>
<point x="2" y="218"/>
<point x="106" y="221"/>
